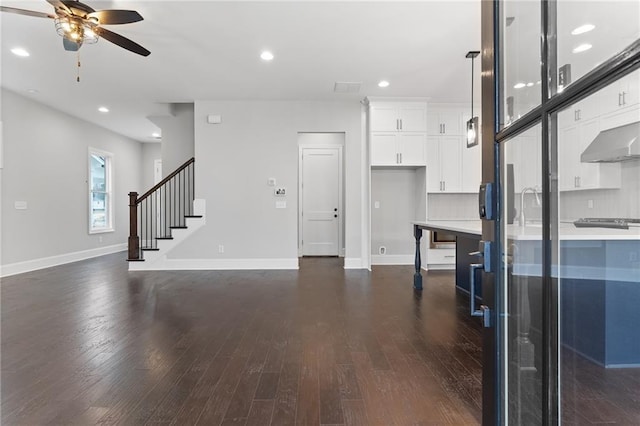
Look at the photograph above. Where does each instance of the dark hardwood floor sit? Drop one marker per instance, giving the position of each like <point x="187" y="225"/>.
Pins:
<point x="90" y="343"/>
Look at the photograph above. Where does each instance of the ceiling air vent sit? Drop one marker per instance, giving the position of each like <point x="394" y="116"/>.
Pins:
<point x="346" y="87"/>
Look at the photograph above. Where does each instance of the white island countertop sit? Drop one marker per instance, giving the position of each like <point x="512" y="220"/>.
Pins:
<point x="533" y="231"/>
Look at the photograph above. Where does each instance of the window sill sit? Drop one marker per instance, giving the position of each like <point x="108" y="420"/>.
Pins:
<point x="101" y="231"/>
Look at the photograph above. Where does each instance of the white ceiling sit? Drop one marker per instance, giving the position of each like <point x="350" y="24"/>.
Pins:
<point x="204" y="50"/>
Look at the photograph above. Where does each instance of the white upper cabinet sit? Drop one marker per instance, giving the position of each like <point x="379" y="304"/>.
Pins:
<point x="395" y="149"/>
<point x="445" y="122"/>
<point x="398" y="133"/>
<point x="622" y="94"/>
<point x="398" y="117"/>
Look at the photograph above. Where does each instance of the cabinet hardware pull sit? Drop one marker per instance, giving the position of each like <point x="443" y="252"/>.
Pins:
<point x="400" y="155"/>
<point x="444" y="128"/>
<point x="401" y="124"/>
<point x="619" y="99"/>
<point x="624" y="96"/>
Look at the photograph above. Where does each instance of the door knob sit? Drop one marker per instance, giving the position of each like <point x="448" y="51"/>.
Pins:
<point x="335" y="210"/>
<point x="335" y="215"/>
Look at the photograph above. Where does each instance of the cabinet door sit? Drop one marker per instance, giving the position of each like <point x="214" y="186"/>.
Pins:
<point x="527" y="159"/>
<point x="412" y="149"/>
<point x="588" y="175"/>
<point x="629" y="87"/>
<point x="450" y="163"/>
<point x="471" y="168"/>
<point x="384" y="149"/>
<point x="413" y="118"/>
<point x="384" y="118"/>
<point x="452" y="123"/>
<point x="434" y="183"/>
<point x="568" y="158"/>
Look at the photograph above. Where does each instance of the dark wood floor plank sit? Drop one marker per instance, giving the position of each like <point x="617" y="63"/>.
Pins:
<point x="260" y="413"/>
<point x="308" y="407"/>
<point x="355" y="413"/>
<point x="267" y="386"/>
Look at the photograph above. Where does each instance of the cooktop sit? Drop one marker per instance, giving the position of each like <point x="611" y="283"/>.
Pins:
<point x="604" y="222"/>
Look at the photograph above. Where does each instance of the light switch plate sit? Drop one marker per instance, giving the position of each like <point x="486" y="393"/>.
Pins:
<point x="271" y="181"/>
<point x="376" y="205"/>
<point x="20" y="205"/>
<point x="214" y="119"/>
<point x="281" y="204"/>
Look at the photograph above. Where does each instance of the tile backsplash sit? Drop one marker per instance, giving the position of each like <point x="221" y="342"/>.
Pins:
<point x="452" y="207"/>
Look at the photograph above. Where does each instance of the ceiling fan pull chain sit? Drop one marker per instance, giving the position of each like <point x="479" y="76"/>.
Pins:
<point x="78" y="77"/>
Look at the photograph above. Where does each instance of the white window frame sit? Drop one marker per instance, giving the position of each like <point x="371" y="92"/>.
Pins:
<point x="108" y="191"/>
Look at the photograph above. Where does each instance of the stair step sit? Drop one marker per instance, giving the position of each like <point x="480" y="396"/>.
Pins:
<point x="164" y="238"/>
<point x="195" y="216"/>
<point x="178" y="227"/>
<point x="135" y="260"/>
<point x="150" y="249"/>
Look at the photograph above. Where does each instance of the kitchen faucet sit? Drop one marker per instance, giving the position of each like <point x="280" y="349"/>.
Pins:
<point x="521" y="218"/>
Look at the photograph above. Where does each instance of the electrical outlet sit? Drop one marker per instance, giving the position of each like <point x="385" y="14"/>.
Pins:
<point x="220" y="248"/>
<point x="100" y="239"/>
<point x="382" y="250"/>
<point x="590" y="204"/>
<point x="376" y="205"/>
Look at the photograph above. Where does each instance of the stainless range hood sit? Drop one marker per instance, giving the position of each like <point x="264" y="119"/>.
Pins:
<point x="613" y="145"/>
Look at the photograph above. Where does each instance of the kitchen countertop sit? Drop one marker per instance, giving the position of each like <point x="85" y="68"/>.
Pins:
<point x="568" y="231"/>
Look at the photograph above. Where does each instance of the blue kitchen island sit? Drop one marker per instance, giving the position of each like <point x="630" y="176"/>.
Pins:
<point x="598" y="277"/>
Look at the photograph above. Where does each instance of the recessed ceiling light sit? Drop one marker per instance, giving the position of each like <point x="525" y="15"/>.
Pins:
<point x="583" y="29"/>
<point x="383" y="83"/>
<point x="582" y="48"/>
<point x="103" y="109"/>
<point x="19" y="51"/>
<point x="155" y="135"/>
<point x="266" y="56"/>
<point x="519" y="86"/>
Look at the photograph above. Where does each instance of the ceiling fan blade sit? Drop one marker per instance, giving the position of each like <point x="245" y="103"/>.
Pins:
<point x="113" y="17"/>
<point x="121" y="41"/>
<point x="26" y="12"/>
<point x="71" y="46"/>
<point x="57" y="4"/>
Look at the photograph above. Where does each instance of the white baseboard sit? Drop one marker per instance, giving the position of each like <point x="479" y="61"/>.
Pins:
<point x="393" y="259"/>
<point x="353" y="263"/>
<point x="47" y="262"/>
<point x="445" y="267"/>
<point x="164" y="264"/>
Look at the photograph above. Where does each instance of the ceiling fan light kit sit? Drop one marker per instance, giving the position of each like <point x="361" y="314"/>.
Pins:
<point x="79" y="23"/>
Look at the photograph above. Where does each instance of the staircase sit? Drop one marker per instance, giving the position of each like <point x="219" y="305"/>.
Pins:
<point x="162" y="218"/>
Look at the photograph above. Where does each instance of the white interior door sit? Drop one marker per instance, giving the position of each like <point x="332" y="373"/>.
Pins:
<point x="321" y="180"/>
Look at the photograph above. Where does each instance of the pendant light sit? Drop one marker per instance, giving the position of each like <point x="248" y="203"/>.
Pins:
<point x="472" y="124"/>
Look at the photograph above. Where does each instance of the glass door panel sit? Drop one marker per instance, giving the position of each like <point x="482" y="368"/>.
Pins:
<point x="597" y="265"/>
<point x="520" y="23"/>
<point x="522" y="278"/>
<point x="590" y="33"/>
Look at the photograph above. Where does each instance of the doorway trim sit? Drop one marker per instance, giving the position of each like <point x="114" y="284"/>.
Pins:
<point x="305" y="141"/>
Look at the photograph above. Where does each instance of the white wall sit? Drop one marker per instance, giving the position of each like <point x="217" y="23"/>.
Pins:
<point x="45" y="164"/>
<point x="177" y="136"/>
<point x="394" y="190"/>
<point x="257" y="140"/>
<point x="150" y="153"/>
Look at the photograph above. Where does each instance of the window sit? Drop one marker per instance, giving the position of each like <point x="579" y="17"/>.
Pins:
<point x="100" y="191"/>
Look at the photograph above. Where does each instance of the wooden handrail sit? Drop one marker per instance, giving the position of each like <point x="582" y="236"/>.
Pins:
<point x="165" y="180"/>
